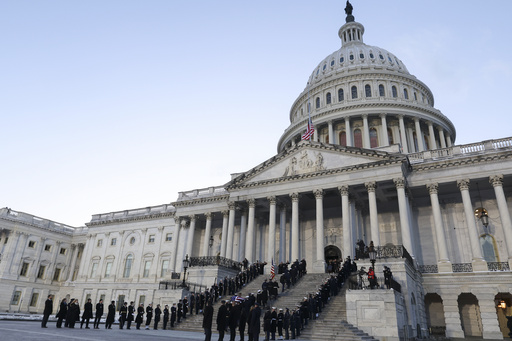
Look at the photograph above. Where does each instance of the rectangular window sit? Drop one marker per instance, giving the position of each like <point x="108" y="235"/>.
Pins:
<point x="142" y="298"/>
<point x="168" y="237"/>
<point x="24" y="269"/>
<point x="93" y="270"/>
<point x="15" y="300"/>
<point x="6" y="239"/>
<point x="99" y="243"/>
<point x="87" y="297"/>
<point x="102" y="297"/>
<point x="47" y="247"/>
<point x="40" y="273"/>
<point x="33" y="299"/>
<point x="62" y="251"/>
<point x="56" y="274"/>
<point x="32" y="244"/>
<point x="151" y="238"/>
<point x="147" y="267"/>
<point x="120" y="302"/>
<point x="108" y="268"/>
<point x="113" y="241"/>
<point x="165" y="267"/>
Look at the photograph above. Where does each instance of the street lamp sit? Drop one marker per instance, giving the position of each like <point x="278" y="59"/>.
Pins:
<point x="210" y="244"/>
<point x="372" y="254"/>
<point x="185" y="266"/>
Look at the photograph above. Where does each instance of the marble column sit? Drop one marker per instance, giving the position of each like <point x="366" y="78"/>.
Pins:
<point x="431" y="135"/>
<point x="191" y="232"/>
<point x="243" y="231"/>
<point x="348" y="132"/>
<point x="271" y="251"/>
<point x="403" y="136"/>
<point x="71" y="269"/>
<point x="320" y="240"/>
<point x="207" y="234"/>
<point x="374" y="218"/>
<point x="441" y="137"/>
<point x="384" y="126"/>
<point x="479" y="264"/>
<point x="249" y="245"/>
<point x="332" y="140"/>
<point x="419" y="134"/>
<point x="366" y="133"/>
<point x="448" y="139"/>
<point x="295" y="226"/>
<point x="224" y="236"/>
<point x="403" y="208"/>
<point x="174" y="252"/>
<point x="444" y="264"/>
<point x="506" y="223"/>
<point x="231" y="230"/>
<point x="282" y="233"/>
<point x="348" y="246"/>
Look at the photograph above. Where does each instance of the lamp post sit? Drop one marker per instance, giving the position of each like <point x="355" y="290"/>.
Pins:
<point x="185" y="266"/>
<point x="372" y="254"/>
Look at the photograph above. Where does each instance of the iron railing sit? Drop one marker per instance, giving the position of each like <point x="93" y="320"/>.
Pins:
<point x="215" y="260"/>
<point x="390" y="251"/>
<point x="498" y="266"/>
<point x="462" y="267"/>
<point x="173" y="285"/>
<point x="428" y="269"/>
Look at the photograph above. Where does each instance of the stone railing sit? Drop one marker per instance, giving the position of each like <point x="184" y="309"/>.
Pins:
<point x="33" y="220"/>
<point x="173" y="285"/>
<point x="202" y="193"/>
<point x="498" y="266"/>
<point x="391" y="251"/>
<point x="462" y="267"/>
<point x="216" y="261"/>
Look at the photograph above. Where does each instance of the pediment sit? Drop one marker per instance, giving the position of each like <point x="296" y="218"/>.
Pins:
<point x="309" y="158"/>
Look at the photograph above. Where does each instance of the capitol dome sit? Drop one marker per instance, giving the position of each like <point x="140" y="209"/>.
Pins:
<point x="364" y="96"/>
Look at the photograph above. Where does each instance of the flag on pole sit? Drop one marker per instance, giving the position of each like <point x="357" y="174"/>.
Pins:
<point x="273" y="270"/>
<point x="309" y="130"/>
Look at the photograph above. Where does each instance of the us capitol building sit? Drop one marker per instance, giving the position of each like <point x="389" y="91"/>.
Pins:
<point x="383" y="166"/>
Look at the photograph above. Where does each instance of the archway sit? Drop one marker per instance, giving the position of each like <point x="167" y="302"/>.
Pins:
<point x="333" y="258"/>
<point x="503" y="309"/>
<point x="435" y="314"/>
<point x="470" y="318"/>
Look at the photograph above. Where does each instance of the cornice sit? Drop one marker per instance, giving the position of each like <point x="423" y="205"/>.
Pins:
<point x="130" y="219"/>
<point x="460" y="161"/>
<point x="40" y="227"/>
<point x="198" y="201"/>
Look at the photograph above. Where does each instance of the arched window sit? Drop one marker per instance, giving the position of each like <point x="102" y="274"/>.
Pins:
<point x="128" y="266"/>
<point x="328" y="98"/>
<point x="317" y="102"/>
<point x="343" y="139"/>
<point x="415" y="96"/>
<point x="354" y="92"/>
<point x="358" y="138"/>
<point x="368" y="90"/>
<point x="393" y="90"/>
<point x="374" y="142"/>
<point x="390" y="136"/>
<point x="381" y="90"/>
<point x="406" y="94"/>
<point x="341" y="95"/>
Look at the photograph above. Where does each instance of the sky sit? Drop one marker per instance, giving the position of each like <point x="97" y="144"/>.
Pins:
<point x="120" y="104"/>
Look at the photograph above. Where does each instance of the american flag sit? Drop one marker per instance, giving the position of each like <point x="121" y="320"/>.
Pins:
<point x="273" y="270"/>
<point x="309" y="131"/>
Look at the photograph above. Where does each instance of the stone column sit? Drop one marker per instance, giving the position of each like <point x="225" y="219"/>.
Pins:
<point x="332" y="140"/>
<point x="506" y="223"/>
<point x="18" y="240"/>
<point x="403" y="208"/>
<point x="490" y="325"/>
<point x="444" y="264"/>
<point x="243" y="231"/>
<point x="295" y="226"/>
<point x="348" y="246"/>
<point x="448" y="139"/>
<point x="452" y="315"/>
<point x="479" y="264"/>
<point x="224" y="238"/>
<point x="431" y="135"/>
<point x="366" y="134"/>
<point x="282" y="233"/>
<point x="191" y="232"/>
<point x="271" y="251"/>
<point x="174" y="252"/>
<point x="71" y="269"/>
<point x="419" y="135"/>
<point x="374" y="218"/>
<point x="207" y="234"/>
<point x="249" y="245"/>
<point x="405" y="148"/>
<point x="348" y="131"/>
<point x="441" y="137"/>
<point x="384" y="133"/>
<point x="231" y="230"/>
<point x="320" y="254"/>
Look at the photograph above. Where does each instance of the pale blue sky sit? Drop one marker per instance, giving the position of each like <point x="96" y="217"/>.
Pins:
<point x="114" y="105"/>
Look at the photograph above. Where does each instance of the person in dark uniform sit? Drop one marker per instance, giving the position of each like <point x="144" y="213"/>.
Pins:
<point x="254" y="322"/>
<point x="280" y="321"/>
<point x="222" y="317"/>
<point x="267" y="319"/>
<point x="166" y="316"/>
<point x="149" y="315"/>
<point x="48" y="309"/>
<point x="73" y="313"/>
<point x="234" y="318"/>
<point x="123" y="313"/>
<point x="173" y="314"/>
<point x="87" y="314"/>
<point x="131" y="311"/>
<point x="63" y="310"/>
<point x="140" y="316"/>
<point x="111" y="315"/>
<point x="158" y="313"/>
<point x="387" y="277"/>
<point x="207" y="321"/>
<point x="99" y="313"/>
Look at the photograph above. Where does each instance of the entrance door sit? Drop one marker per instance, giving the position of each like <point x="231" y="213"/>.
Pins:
<point x="333" y="258"/>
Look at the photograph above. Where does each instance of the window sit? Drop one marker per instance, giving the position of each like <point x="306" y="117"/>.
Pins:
<point x="371" y="55"/>
<point x="47" y="247"/>
<point x="151" y="238"/>
<point x="328" y="98"/>
<point x="142" y="299"/>
<point x="108" y="268"/>
<point x="56" y="274"/>
<point x="24" y="269"/>
<point x="415" y="96"/>
<point x="94" y="269"/>
<point x="332" y="62"/>
<point x="393" y="90"/>
<point x="33" y="299"/>
<point x="168" y="237"/>
<point x="102" y="297"/>
<point x="32" y="244"/>
<point x="165" y="267"/>
<point x="358" y="138"/>
<point x="127" y="266"/>
<point x="62" y="251"/>
<point x="99" y="243"/>
<point x="147" y="267"/>
<point x="381" y="90"/>
<point x="343" y="139"/>
<point x="390" y="136"/>
<point x="374" y="143"/>
<point x="15" y="300"/>
<point x="351" y="57"/>
<point x="381" y="56"/>
<point x="341" y="95"/>
<point x="406" y="94"/>
<point x="361" y="55"/>
<point x="354" y="92"/>
<point x="40" y="273"/>
<point x="325" y="65"/>
<point x="368" y="90"/>
<point x="317" y="102"/>
<point x="342" y="59"/>
<point x="120" y="302"/>
<point x="113" y="241"/>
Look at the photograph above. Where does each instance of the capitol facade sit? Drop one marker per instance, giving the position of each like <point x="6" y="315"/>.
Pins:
<point x="382" y="166"/>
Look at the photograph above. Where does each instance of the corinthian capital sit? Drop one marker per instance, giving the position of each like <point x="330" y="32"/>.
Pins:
<point x="343" y="190"/>
<point x="433" y="188"/>
<point x="272" y="199"/>
<point x="251" y="202"/>
<point x="371" y="186"/>
<point x="399" y="182"/>
<point x="319" y="193"/>
<point x="496" y="180"/>
<point x="231" y="205"/>
<point x="463" y="184"/>
<point x="295" y="196"/>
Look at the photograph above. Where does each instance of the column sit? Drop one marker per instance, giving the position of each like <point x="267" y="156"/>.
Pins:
<point x="207" y="234"/>
<point x="332" y="140"/>
<point x="271" y="251"/>
<point x="374" y="219"/>
<point x="479" y="264"/>
<point x="384" y="132"/>
<point x="419" y="135"/>
<point x="348" y="131"/>
<point x="40" y="246"/>
<point x="366" y="133"/>
<point x="89" y="244"/>
<point x="231" y="230"/>
<point x="71" y="269"/>
<point x="243" y="230"/>
<point x="444" y="264"/>
<point x="224" y="238"/>
<point x="174" y="252"/>
<point x="403" y="137"/>
<point x="18" y="240"/>
<point x="191" y="232"/>
<point x="320" y="253"/>
<point x="405" y="227"/>
<point x="431" y="135"/>
<point x="295" y="226"/>
<point x="411" y="146"/>
<point x="448" y="139"/>
<point x="347" y="227"/>
<point x="506" y="223"/>
<point x="441" y="137"/>
<point x="282" y="233"/>
<point x="249" y="245"/>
